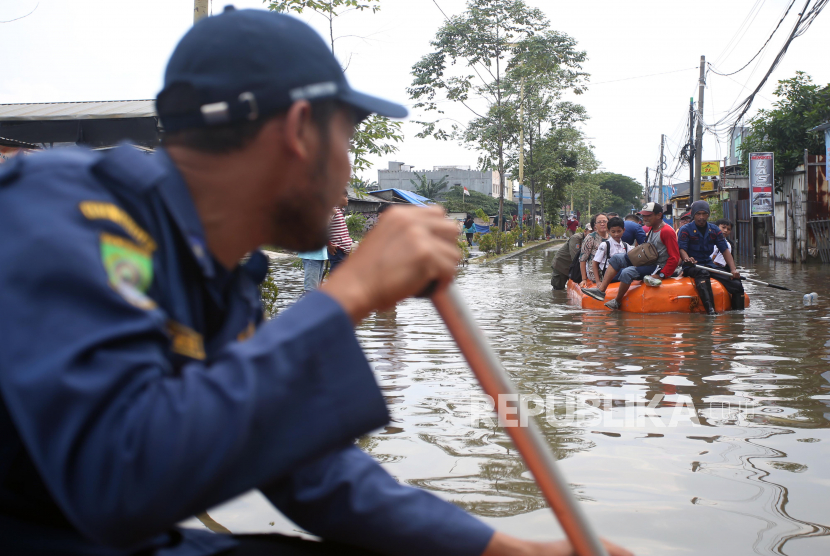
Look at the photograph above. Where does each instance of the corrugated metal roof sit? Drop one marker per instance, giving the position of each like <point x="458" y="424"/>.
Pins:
<point x="410" y="197"/>
<point x="111" y="109"/>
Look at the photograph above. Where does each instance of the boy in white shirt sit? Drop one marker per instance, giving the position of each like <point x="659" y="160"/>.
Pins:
<point x="616" y="229"/>
<point x="725" y="227"/>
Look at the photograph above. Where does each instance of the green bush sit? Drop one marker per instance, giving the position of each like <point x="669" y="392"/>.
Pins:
<point x="481" y="214"/>
<point x="268" y="292"/>
<point x="465" y="249"/>
<point x="559" y="231"/>
<point x="356" y="223"/>
<point x="477" y="237"/>
<point x="487" y="243"/>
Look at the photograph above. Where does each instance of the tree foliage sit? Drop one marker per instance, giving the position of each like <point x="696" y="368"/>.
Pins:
<point x="502" y="54"/>
<point x="477" y="46"/>
<point x="476" y="201"/>
<point x="783" y="130"/>
<point x="428" y="188"/>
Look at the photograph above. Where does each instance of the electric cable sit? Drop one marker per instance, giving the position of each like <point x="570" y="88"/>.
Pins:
<point x="762" y="48"/>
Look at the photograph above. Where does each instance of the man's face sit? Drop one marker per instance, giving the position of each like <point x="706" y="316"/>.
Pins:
<point x="302" y="213"/>
<point x="701" y="218"/>
<point x="684" y="221"/>
<point x="616" y="232"/>
<point x="726" y="229"/>
<point x="653" y="219"/>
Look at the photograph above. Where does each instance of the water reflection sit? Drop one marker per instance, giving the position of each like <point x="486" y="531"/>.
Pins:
<point x="680" y="433"/>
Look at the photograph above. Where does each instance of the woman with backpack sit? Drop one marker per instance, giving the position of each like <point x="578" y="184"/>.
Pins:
<point x="469" y="229"/>
<point x="599" y="223"/>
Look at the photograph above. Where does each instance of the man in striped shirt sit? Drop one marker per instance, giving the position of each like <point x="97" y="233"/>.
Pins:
<point x="340" y="242"/>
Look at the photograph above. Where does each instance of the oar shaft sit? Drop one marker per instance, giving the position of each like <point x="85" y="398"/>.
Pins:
<point x="754" y="281"/>
<point x="528" y="439"/>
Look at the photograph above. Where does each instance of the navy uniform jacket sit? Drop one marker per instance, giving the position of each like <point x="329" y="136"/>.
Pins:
<point x="633" y="231"/>
<point x="699" y="244"/>
<point x="140" y="385"/>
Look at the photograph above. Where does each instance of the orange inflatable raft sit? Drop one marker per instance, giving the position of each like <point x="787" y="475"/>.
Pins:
<point x="675" y="295"/>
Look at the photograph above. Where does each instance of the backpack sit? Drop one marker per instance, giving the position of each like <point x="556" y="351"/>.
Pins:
<point x="604" y="267"/>
<point x="575" y="274"/>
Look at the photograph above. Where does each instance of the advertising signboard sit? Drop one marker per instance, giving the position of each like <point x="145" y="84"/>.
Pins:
<point x="710" y="168"/>
<point x="761" y="176"/>
<point x="707" y="186"/>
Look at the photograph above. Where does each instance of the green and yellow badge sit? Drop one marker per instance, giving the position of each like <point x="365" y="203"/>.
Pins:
<point x="129" y="268"/>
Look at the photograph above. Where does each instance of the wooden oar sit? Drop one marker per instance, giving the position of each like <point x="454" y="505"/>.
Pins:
<point x="528" y="440"/>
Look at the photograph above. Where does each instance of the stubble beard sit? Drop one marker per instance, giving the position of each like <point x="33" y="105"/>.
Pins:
<point x="301" y="221"/>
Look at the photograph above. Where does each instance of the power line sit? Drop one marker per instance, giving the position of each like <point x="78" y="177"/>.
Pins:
<point x="642" y="76"/>
<point x="762" y="48"/>
<point x="805" y="20"/>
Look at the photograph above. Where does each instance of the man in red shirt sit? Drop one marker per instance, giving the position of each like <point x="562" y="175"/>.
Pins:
<point x="663" y="237"/>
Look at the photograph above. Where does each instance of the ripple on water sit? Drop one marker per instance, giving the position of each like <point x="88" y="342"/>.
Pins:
<point x="752" y="474"/>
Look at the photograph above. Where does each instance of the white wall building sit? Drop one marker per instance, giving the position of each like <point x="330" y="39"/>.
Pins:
<point x="401" y="176"/>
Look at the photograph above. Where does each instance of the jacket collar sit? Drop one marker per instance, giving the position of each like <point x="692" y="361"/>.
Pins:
<point x="179" y="204"/>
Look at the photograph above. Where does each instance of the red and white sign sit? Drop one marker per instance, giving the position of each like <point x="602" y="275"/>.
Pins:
<point x="761" y="181"/>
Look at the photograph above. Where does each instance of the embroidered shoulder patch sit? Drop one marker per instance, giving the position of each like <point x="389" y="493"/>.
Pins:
<point x="97" y="210"/>
<point x="126" y="262"/>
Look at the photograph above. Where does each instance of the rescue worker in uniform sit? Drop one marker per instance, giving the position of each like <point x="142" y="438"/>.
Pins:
<point x="139" y="384"/>
<point x="697" y="240"/>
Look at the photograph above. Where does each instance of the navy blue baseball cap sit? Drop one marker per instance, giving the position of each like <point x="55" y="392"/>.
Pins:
<point x="250" y="64"/>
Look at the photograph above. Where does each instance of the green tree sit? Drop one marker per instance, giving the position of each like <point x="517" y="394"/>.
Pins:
<point x="783" y="130"/>
<point x="376" y="135"/>
<point x="479" y="40"/>
<point x="427" y="187"/>
<point x="626" y="192"/>
<point x="456" y="201"/>
<point x="543" y="68"/>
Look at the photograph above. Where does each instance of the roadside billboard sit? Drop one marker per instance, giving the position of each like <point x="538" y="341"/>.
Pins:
<point x="761" y="178"/>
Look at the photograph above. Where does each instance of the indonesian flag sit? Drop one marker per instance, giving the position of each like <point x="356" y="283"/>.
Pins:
<point x="465" y="191"/>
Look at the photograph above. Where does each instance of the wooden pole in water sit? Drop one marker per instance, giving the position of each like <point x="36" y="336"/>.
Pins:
<point x="528" y="439"/>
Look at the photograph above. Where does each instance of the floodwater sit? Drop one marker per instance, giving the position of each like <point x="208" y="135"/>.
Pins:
<point x="680" y="434"/>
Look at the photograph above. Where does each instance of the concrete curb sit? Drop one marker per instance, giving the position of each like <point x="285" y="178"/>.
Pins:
<point x="523" y="250"/>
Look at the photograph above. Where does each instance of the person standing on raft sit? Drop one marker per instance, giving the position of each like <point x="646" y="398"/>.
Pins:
<point x="697" y="240"/>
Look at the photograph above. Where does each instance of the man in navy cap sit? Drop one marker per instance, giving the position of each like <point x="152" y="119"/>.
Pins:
<point x="697" y="241"/>
<point x="139" y="384"/>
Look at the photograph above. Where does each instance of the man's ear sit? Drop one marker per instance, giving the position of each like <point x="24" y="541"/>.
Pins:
<point x="299" y="133"/>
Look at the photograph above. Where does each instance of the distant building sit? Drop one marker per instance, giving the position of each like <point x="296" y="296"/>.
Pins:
<point x="401" y="176"/>
<point x="91" y="124"/>
<point x="736" y="139"/>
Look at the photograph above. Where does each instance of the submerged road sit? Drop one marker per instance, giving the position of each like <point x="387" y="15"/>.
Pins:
<point x="681" y="434"/>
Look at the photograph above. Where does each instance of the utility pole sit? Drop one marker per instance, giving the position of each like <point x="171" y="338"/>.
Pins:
<point x="648" y="188"/>
<point x="200" y="10"/>
<point x="521" y="161"/>
<point x="691" y="149"/>
<point x="660" y="170"/>
<point x="695" y="185"/>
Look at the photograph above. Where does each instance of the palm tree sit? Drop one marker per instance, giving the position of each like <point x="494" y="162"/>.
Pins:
<point x="428" y="188"/>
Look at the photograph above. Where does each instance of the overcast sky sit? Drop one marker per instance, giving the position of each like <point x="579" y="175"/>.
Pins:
<point x="116" y="50"/>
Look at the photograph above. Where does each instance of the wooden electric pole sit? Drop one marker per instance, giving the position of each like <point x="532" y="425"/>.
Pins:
<point x="200" y="10"/>
<point x="695" y="191"/>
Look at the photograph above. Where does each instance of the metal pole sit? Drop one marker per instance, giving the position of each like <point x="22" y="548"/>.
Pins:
<point x="699" y="132"/>
<point x="528" y="439"/>
<point x="200" y="9"/>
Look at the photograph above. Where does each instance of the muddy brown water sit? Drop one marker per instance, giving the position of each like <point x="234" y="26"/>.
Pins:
<point x="680" y="434"/>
